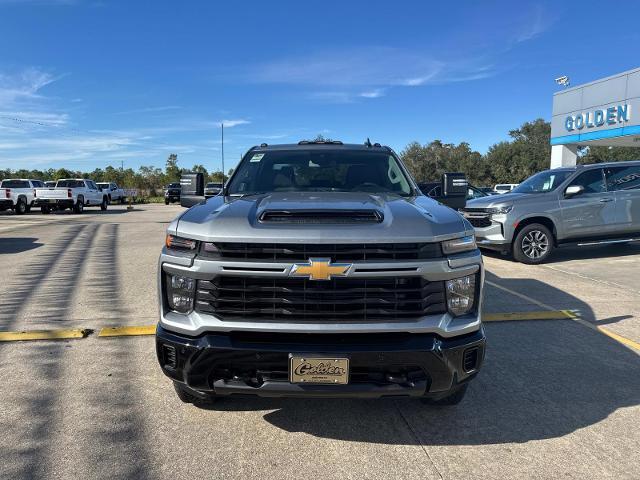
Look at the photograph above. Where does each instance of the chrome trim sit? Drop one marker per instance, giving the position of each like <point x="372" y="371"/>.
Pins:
<point x="444" y="324"/>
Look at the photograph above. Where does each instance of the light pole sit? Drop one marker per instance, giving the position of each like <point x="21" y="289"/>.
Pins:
<point x="222" y="151"/>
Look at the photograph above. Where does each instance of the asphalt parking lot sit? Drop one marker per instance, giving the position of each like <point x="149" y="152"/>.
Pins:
<point x="556" y="398"/>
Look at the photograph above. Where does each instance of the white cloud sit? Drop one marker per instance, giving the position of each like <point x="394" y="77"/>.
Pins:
<point x="535" y="26"/>
<point x="150" y="110"/>
<point x="47" y="119"/>
<point x="23" y="86"/>
<point x="375" y="93"/>
<point x="232" y="123"/>
<point x="375" y="67"/>
<point x="367" y="73"/>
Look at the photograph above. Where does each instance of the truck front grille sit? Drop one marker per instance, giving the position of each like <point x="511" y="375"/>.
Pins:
<point x="479" y="222"/>
<point x="283" y="299"/>
<point x="287" y="252"/>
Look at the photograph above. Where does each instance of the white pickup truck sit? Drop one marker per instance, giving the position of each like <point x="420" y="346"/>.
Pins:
<point x="18" y="194"/>
<point x="73" y="193"/>
<point x="113" y="191"/>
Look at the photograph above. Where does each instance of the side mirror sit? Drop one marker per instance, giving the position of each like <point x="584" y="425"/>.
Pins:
<point x="573" y="190"/>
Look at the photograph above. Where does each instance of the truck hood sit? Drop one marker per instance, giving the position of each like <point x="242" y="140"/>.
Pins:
<point x="405" y="219"/>
<point x="497" y="200"/>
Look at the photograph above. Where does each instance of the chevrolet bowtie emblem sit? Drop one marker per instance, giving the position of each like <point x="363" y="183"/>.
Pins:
<point x="320" y="269"/>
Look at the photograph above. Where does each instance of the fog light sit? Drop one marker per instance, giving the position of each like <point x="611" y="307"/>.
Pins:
<point x="461" y="294"/>
<point x="181" y="283"/>
<point x="180" y="293"/>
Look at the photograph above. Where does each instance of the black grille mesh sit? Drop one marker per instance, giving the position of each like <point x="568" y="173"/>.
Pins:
<point x="339" y="300"/>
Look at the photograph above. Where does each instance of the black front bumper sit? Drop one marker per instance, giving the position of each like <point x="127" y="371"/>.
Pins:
<point x="6" y="203"/>
<point x="381" y="364"/>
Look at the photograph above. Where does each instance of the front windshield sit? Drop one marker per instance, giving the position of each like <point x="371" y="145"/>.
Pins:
<point x="320" y="170"/>
<point x="543" y="182"/>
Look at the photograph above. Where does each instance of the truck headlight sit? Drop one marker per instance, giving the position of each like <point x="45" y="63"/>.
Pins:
<point x="501" y="210"/>
<point x="179" y="243"/>
<point x="458" y="245"/>
<point x="180" y="292"/>
<point x="461" y="294"/>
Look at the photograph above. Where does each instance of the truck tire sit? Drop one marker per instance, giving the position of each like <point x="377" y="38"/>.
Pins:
<point x="533" y="244"/>
<point x="187" y="397"/>
<point x="103" y="205"/>
<point x="166" y="202"/>
<point x="45" y="209"/>
<point x="79" y="205"/>
<point x="21" y="206"/>
<point x="454" y="397"/>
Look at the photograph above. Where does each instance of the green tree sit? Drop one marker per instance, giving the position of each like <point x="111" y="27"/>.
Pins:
<point x="63" y="173"/>
<point x="428" y="162"/>
<point x="198" y="168"/>
<point x="528" y="152"/>
<point x="598" y="154"/>
<point x="172" y="170"/>
<point x="215" y="176"/>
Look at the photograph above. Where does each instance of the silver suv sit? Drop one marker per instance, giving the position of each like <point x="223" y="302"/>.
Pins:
<point x="320" y="270"/>
<point x="581" y="205"/>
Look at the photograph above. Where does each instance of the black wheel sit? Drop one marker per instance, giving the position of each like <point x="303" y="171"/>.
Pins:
<point x="45" y="209"/>
<point x="533" y="244"/>
<point x="103" y="205"/>
<point x="187" y="397"/>
<point x="454" y="397"/>
<point x="166" y="202"/>
<point x="79" y="205"/>
<point x="21" y="206"/>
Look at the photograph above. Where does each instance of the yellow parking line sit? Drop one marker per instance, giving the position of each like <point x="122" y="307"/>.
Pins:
<point x="128" y="331"/>
<point x="576" y="318"/>
<point x="545" y="315"/>
<point x="63" y="334"/>
<point x="620" y="338"/>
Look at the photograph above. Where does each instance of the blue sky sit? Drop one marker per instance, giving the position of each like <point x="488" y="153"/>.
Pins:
<point x="85" y="84"/>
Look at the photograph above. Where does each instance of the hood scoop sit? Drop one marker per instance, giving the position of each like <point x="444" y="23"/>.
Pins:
<point x="321" y="217"/>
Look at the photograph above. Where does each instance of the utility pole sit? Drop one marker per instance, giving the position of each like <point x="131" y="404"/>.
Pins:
<point x="222" y="151"/>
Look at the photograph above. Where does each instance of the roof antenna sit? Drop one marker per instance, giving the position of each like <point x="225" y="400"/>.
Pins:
<point x="368" y="143"/>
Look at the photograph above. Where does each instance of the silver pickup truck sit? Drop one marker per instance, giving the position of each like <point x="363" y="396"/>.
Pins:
<point x="583" y="205"/>
<point x="320" y="270"/>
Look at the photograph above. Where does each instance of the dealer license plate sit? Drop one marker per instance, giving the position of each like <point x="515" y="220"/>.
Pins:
<point x="325" y="370"/>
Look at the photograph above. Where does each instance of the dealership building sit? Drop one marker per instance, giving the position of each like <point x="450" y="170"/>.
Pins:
<point x="604" y="112"/>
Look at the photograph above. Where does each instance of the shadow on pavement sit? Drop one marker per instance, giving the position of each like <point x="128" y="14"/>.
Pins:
<point x="567" y="253"/>
<point x="18" y="244"/>
<point x="541" y="379"/>
<point x="50" y="411"/>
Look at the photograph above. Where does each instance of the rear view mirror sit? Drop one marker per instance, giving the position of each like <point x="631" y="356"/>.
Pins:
<point x="573" y="190"/>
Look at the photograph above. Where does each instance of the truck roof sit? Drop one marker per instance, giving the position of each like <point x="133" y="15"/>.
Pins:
<point x="609" y="164"/>
<point x="20" y="179"/>
<point x="316" y="145"/>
